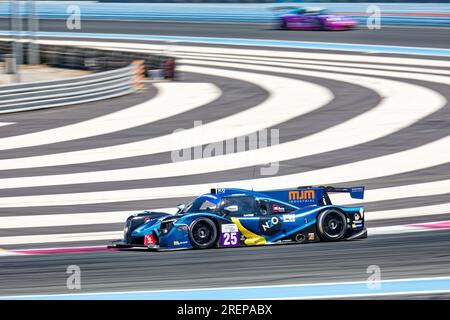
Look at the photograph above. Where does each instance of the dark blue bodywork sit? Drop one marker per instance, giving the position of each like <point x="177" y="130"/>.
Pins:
<point x="261" y="217"/>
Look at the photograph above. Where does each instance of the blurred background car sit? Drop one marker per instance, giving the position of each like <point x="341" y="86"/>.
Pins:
<point x="315" y="19"/>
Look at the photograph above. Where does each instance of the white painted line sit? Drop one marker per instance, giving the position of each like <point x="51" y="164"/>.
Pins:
<point x="70" y="219"/>
<point x="65" y="237"/>
<point x="424" y="189"/>
<point x="437" y="209"/>
<point x="163" y="105"/>
<point x="396" y="163"/>
<point x="309" y="63"/>
<point x="396" y="230"/>
<point x="75" y="219"/>
<point x="373" y="72"/>
<point x="288" y="98"/>
<point x="6" y="253"/>
<point x="388" y="117"/>
<point x="4" y="124"/>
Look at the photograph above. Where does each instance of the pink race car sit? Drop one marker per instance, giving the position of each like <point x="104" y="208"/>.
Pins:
<point x="315" y="19"/>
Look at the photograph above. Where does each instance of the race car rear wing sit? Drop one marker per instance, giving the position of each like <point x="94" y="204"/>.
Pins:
<point x="311" y="195"/>
<point x="355" y="192"/>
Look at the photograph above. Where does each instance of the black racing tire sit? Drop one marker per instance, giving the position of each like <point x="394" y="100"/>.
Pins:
<point x="203" y="233"/>
<point x="332" y="225"/>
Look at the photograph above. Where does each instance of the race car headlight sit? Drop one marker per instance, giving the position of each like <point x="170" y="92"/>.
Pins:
<point x="167" y="225"/>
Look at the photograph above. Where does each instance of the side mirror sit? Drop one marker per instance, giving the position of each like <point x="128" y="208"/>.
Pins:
<point x="232" y="208"/>
<point x="181" y="207"/>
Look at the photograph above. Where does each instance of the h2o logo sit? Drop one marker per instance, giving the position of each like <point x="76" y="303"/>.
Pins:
<point x="269" y="225"/>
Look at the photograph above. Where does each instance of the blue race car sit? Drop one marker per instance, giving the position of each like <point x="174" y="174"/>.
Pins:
<point x="237" y="217"/>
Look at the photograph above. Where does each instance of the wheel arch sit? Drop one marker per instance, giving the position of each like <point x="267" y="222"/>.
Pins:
<point x="214" y="219"/>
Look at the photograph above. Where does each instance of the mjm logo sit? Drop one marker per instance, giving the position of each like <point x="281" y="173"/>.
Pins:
<point x="301" y="195"/>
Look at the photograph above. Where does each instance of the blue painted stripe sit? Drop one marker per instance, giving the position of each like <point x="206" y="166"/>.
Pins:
<point x="255" y="42"/>
<point x="236" y="12"/>
<point x="300" y="291"/>
<point x="391" y="21"/>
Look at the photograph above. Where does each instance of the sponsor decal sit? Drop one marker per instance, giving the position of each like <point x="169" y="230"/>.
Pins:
<point x="178" y="243"/>
<point x="269" y="225"/>
<point x="311" y="236"/>
<point x="301" y="195"/>
<point x="149" y="239"/>
<point x="356" y="224"/>
<point x="229" y="236"/>
<point x="277" y="209"/>
<point x="288" y="217"/>
<point x="182" y="227"/>
<point x="229" y="228"/>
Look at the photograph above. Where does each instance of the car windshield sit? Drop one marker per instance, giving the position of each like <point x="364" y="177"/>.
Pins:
<point x="244" y="204"/>
<point x="200" y="205"/>
<point x="325" y="12"/>
<point x="314" y="11"/>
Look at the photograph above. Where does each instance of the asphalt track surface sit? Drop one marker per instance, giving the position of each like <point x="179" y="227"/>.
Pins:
<point x="423" y="254"/>
<point x="269" y="265"/>
<point x="387" y="35"/>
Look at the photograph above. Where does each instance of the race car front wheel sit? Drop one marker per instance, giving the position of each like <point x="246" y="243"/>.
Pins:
<point x="203" y="233"/>
<point x="332" y="225"/>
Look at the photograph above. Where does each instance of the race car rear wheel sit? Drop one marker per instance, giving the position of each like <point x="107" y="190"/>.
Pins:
<point x="332" y="225"/>
<point x="203" y="233"/>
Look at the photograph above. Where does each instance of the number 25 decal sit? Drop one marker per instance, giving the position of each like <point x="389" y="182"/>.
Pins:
<point x="230" y="239"/>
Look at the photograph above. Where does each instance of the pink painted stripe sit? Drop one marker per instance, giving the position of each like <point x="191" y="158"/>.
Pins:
<point x="63" y="250"/>
<point x="433" y="225"/>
